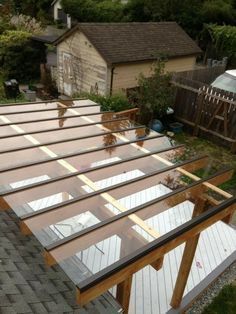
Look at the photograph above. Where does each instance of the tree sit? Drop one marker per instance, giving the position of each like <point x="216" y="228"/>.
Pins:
<point x="154" y="94"/>
<point x="23" y="66"/>
<point x="222" y="41"/>
<point x="34" y="8"/>
<point x="218" y="11"/>
<point x="94" y="10"/>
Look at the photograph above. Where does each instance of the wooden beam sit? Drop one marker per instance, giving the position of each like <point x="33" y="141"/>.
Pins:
<point x="4" y="205"/>
<point x="120" y="275"/>
<point x="157" y="265"/>
<point x="187" y="260"/>
<point x="123" y="293"/>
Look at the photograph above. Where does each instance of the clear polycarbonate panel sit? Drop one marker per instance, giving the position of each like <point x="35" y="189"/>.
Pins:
<point x="75" y="185"/>
<point x="54" y="150"/>
<point x="108" y="245"/>
<point x="25" y="141"/>
<point x="102" y="206"/>
<point x="85" y="161"/>
<point x="15" y="108"/>
<point x="52" y="124"/>
<point x="34" y="116"/>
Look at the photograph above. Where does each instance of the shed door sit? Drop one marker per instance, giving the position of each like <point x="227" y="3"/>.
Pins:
<point x="67" y="74"/>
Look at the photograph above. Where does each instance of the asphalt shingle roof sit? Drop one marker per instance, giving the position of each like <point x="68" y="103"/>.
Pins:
<point x="28" y="286"/>
<point x="131" y="42"/>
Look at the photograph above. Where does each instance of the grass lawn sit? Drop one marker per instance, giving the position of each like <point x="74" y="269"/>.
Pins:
<point x="219" y="158"/>
<point x="225" y="302"/>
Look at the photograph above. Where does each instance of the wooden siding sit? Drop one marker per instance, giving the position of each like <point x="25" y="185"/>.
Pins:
<point x="126" y="75"/>
<point x="88" y="70"/>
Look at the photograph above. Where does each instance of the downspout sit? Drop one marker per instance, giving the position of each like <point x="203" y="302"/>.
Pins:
<point x="112" y="75"/>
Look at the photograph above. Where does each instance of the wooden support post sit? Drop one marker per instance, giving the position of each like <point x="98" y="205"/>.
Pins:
<point x="4" y="205"/>
<point x="187" y="260"/>
<point x="228" y="218"/>
<point x="123" y="293"/>
<point x="25" y="229"/>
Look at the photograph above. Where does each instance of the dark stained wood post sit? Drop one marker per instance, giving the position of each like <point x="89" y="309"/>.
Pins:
<point x="200" y="101"/>
<point x="187" y="260"/>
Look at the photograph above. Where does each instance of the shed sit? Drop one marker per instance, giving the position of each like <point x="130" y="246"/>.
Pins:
<point x="108" y="57"/>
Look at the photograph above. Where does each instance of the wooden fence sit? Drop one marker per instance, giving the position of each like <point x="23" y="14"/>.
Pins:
<point x="209" y="112"/>
<point x="202" y="75"/>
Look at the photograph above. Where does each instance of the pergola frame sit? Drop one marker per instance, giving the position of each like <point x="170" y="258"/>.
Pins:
<point x="150" y="253"/>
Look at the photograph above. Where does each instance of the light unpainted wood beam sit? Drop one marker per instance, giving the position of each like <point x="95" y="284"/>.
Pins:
<point x="187" y="260"/>
<point x="4" y="205"/>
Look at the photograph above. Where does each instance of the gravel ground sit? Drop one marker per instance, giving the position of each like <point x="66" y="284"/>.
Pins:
<point x="227" y="277"/>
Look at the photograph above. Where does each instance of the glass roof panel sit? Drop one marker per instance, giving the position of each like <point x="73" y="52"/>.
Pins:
<point x="51" y="137"/>
<point x="59" y="124"/>
<point x="112" y="202"/>
<point x="108" y="245"/>
<point x="97" y="179"/>
<point x="46" y="105"/>
<point x="32" y="116"/>
<point x="54" y="150"/>
<point x="83" y="161"/>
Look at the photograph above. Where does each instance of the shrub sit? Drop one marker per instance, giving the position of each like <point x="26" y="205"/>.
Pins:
<point x="20" y="57"/>
<point x="110" y="103"/>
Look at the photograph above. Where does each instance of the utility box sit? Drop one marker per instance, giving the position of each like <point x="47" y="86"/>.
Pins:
<point x="30" y="95"/>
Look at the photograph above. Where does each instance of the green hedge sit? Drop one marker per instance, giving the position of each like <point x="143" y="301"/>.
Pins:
<point x="110" y="103"/>
<point x="20" y="57"/>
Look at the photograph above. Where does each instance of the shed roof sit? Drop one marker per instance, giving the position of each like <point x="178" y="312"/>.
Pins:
<point x="132" y="42"/>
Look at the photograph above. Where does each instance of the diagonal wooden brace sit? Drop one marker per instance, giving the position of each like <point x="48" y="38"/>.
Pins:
<point x="187" y="259"/>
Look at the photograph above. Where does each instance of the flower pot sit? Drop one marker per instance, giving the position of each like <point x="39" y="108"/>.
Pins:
<point x="157" y="125"/>
<point x="176" y="127"/>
